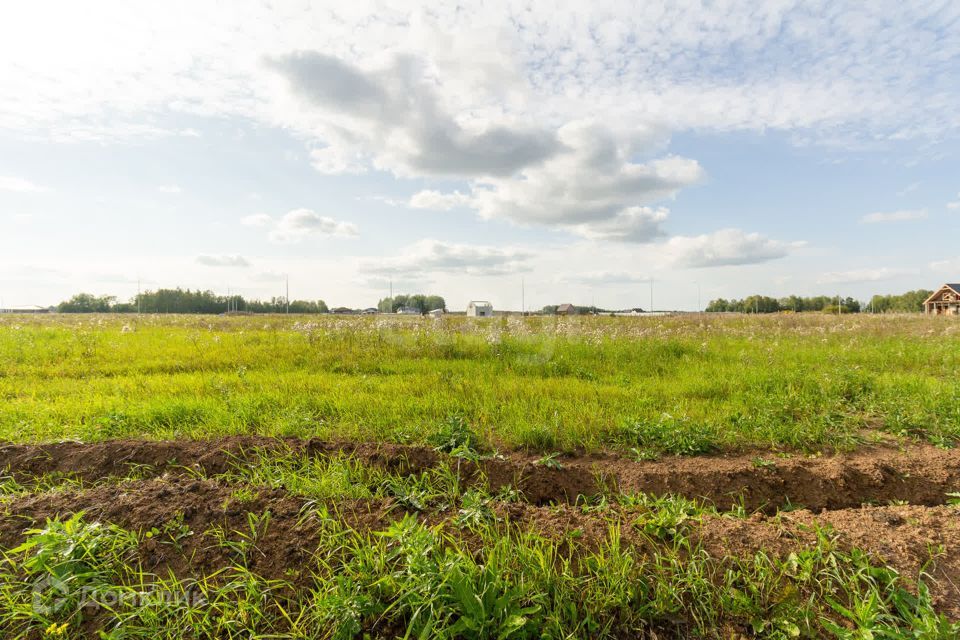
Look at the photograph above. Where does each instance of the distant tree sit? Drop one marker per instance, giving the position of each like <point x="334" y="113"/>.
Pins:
<point x="186" y="301"/>
<point x="766" y="304"/>
<point x="760" y="304"/>
<point x="420" y="302"/>
<point x="909" y="302"/>
<point x="718" y="305"/>
<point x="308" y="306"/>
<point x="435" y="302"/>
<point x="86" y="303"/>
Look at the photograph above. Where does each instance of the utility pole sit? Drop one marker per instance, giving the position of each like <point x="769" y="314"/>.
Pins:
<point x="288" y="293"/>
<point x="138" y="297"/>
<point x="523" y="298"/>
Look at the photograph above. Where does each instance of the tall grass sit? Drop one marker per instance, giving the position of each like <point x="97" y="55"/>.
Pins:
<point x="686" y="384"/>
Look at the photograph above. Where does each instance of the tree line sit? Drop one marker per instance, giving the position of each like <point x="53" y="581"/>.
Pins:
<point x="911" y="301"/>
<point x="185" y="301"/>
<point x="905" y="302"/>
<point x="188" y="301"/>
<point x="199" y="301"/>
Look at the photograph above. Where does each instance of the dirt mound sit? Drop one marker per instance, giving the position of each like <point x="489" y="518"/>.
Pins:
<point x="901" y="536"/>
<point x="150" y="458"/>
<point x="197" y="504"/>
<point x="921" y="475"/>
<point x="120" y="458"/>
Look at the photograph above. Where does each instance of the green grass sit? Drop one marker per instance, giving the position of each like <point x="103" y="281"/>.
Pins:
<point x="502" y="581"/>
<point x="446" y="560"/>
<point x="470" y="574"/>
<point x="684" y="385"/>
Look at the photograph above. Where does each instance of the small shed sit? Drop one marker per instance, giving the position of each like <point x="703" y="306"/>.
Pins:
<point x="436" y="313"/>
<point x="566" y="309"/>
<point x="945" y="301"/>
<point x="479" y="309"/>
<point x="408" y="311"/>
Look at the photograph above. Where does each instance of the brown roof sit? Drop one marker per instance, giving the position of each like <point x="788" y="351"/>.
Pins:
<point x="955" y="286"/>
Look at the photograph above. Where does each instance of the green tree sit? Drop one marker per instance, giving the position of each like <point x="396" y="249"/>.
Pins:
<point x="420" y="302"/>
<point x="909" y="302"/>
<point x="86" y="303"/>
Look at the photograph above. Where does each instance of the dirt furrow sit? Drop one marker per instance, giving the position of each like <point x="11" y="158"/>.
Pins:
<point x="902" y="536"/>
<point x="920" y="474"/>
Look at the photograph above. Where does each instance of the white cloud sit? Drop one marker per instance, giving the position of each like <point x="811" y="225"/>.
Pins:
<point x="592" y="180"/>
<point x="429" y="256"/>
<point x="910" y="188"/>
<point x="20" y="185"/>
<point x="590" y="187"/>
<point x="955" y="204"/>
<point x="825" y="70"/>
<point x="861" y="275"/>
<point x="633" y="224"/>
<point x="950" y="266"/>
<point x="269" y="276"/>
<point x="337" y="161"/>
<point x="902" y="215"/>
<point x="170" y="189"/>
<point x="429" y="199"/>
<point x="393" y="115"/>
<point x="299" y="223"/>
<point x="600" y="278"/>
<point x="222" y="260"/>
<point x="726" y="247"/>
<point x="295" y="225"/>
<point x="257" y="220"/>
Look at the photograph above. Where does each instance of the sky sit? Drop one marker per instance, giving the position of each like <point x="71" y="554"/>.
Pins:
<point x="512" y="152"/>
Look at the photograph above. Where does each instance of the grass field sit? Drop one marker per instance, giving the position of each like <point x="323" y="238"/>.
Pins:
<point x="683" y="385"/>
<point x="713" y="477"/>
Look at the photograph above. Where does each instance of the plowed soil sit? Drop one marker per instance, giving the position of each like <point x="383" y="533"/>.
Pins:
<point x="920" y="475"/>
<point x="901" y="536"/>
<point x="889" y="502"/>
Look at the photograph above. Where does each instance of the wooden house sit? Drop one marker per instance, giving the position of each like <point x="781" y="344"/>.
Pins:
<point x="945" y="301"/>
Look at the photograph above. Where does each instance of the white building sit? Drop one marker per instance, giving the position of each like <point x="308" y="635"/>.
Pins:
<point x="479" y="309"/>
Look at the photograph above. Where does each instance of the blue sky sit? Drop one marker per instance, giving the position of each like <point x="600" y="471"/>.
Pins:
<point x="720" y="148"/>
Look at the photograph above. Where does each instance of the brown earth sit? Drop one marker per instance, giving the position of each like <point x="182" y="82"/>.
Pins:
<point x="920" y="475"/>
<point x="904" y="536"/>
